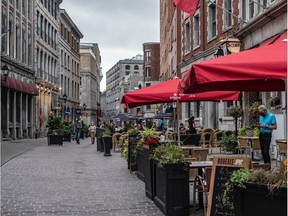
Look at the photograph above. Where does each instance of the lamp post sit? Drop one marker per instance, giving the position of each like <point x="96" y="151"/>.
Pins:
<point x="84" y="106"/>
<point x="6" y="71"/>
<point x="219" y="52"/>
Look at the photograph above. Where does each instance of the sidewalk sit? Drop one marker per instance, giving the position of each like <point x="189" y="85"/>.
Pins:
<point x="71" y="180"/>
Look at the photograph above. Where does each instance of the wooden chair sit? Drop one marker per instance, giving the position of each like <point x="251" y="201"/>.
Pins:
<point x="200" y="154"/>
<point x="243" y="145"/>
<point x="228" y="133"/>
<point x="207" y="130"/>
<point x="261" y="166"/>
<point x="217" y="136"/>
<point x="206" y="139"/>
<point x="202" y="187"/>
<point x="281" y="150"/>
<point x="186" y="153"/>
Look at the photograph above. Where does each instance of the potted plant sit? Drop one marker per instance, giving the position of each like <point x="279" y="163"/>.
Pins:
<point x="171" y="180"/>
<point x="149" y="135"/>
<point x="55" y="132"/>
<point x="67" y="130"/>
<point x="107" y="141"/>
<point x="258" y="189"/>
<point x="246" y="131"/>
<point x="273" y="102"/>
<point x="235" y="111"/>
<point x="229" y="144"/>
<point x="253" y="110"/>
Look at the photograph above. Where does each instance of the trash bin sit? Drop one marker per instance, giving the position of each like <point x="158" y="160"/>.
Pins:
<point x="99" y="133"/>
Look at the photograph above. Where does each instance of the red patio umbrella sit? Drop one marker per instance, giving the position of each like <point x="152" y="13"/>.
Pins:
<point x="167" y="92"/>
<point x="259" y="69"/>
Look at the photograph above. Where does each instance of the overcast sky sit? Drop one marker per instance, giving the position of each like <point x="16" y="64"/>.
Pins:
<point x="120" y="27"/>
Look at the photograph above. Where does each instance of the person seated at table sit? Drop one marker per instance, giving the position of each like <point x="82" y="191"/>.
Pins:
<point x="182" y="128"/>
<point x="192" y="126"/>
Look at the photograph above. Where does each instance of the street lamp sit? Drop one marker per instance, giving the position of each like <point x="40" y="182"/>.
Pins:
<point x="84" y="106"/>
<point x="65" y="97"/>
<point x="219" y="52"/>
<point x="6" y="71"/>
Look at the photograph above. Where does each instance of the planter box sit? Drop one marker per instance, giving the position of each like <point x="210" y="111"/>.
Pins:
<point x="141" y="165"/>
<point x="257" y="201"/>
<point x="55" y="140"/>
<point x="132" y="153"/>
<point x="171" y="185"/>
<point x="67" y="138"/>
<point x="148" y="168"/>
<point x="107" y="141"/>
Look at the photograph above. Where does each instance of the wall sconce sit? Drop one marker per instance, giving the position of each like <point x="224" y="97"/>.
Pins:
<point x="84" y="106"/>
<point x="6" y="70"/>
<point x="232" y="44"/>
<point x="65" y="97"/>
<point x="219" y="52"/>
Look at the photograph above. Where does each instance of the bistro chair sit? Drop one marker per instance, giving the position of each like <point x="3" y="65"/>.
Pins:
<point x="281" y="150"/>
<point x="202" y="185"/>
<point x="115" y="141"/>
<point x="243" y="145"/>
<point x="200" y="154"/>
<point x="217" y="137"/>
<point x="208" y="130"/>
<point x="228" y="133"/>
<point x="206" y="139"/>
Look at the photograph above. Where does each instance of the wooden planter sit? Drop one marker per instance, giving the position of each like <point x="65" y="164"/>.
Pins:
<point x="141" y="165"/>
<point x="171" y="186"/>
<point x="256" y="200"/>
<point x="55" y="139"/>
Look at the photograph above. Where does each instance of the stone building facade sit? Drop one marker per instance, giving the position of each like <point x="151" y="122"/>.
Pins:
<point x="91" y="76"/>
<point x="69" y="50"/>
<point x="18" y="89"/>
<point x="46" y="59"/>
<point x="124" y="76"/>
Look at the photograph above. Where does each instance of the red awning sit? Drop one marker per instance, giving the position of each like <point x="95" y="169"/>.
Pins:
<point x="259" y="69"/>
<point x="166" y="92"/>
<point x="18" y="85"/>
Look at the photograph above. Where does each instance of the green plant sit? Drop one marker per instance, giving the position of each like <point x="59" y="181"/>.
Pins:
<point x="253" y="110"/>
<point x="237" y="178"/>
<point x="168" y="154"/>
<point x="256" y="132"/>
<point x="106" y="132"/>
<point x="148" y="132"/>
<point x="133" y="132"/>
<point x="125" y="149"/>
<point x="67" y="127"/>
<point x="235" y="111"/>
<point x="242" y="130"/>
<point x="140" y="143"/>
<point x="54" y="125"/>
<point x="229" y="144"/>
<point x="273" y="101"/>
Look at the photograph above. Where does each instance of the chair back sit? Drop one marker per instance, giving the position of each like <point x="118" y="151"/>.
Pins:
<point x="207" y="130"/>
<point x="256" y="144"/>
<point x="217" y="136"/>
<point x="206" y="139"/>
<point x="242" y="143"/>
<point x="261" y="166"/>
<point x="200" y="154"/>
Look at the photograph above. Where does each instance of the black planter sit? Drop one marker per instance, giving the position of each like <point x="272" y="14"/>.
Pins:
<point x="107" y="141"/>
<point x="67" y="138"/>
<point x="148" y="168"/>
<point x="132" y="153"/>
<point x="99" y="133"/>
<point x="171" y="185"/>
<point x="140" y="162"/>
<point x="256" y="200"/>
<point x="55" y="139"/>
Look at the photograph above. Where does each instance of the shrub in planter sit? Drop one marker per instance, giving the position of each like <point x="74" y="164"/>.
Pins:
<point x="55" y="130"/>
<point x="257" y="192"/>
<point x="171" y="180"/>
<point x="229" y="144"/>
<point x="149" y="135"/>
<point x="107" y="140"/>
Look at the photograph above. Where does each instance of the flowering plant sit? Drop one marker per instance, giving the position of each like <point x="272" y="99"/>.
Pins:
<point x="235" y="111"/>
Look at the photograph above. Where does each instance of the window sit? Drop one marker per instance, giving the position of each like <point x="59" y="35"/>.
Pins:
<point x="187" y="37"/>
<point x="196" y="37"/>
<point x="148" y="107"/>
<point x="251" y="9"/>
<point x="127" y="73"/>
<point x="127" y="67"/>
<point x="148" y="84"/>
<point x="227" y="13"/>
<point x="148" y="71"/>
<point x="212" y="21"/>
<point x="136" y="67"/>
<point x="148" y="55"/>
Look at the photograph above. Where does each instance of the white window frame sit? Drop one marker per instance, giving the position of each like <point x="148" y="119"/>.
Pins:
<point x="196" y="34"/>
<point x="187" y="36"/>
<point x="227" y="16"/>
<point x="211" y="22"/>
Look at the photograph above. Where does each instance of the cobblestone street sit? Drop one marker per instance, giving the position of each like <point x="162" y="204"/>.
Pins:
<point x="72" y="180"/>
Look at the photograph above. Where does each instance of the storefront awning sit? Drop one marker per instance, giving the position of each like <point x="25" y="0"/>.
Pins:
<point x="18" y="85"/>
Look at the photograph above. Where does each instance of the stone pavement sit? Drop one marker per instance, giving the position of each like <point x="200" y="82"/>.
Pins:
<point x="71" y="180"/>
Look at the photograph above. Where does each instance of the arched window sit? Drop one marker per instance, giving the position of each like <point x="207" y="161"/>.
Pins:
<point x="127" y="67"/>
<point x="136" y="67"/>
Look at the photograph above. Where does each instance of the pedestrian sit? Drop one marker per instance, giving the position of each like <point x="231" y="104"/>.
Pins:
<point x="267" y="123"/>
<point x="192" y="126"/>
<point x="78" y="127"/>
<point x="92" y="131"/>
<point x="182" y="129"/>
<point x="112" y="126"/>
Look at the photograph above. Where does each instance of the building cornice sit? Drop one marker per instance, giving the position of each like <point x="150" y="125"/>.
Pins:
<point x="271" y="13"/>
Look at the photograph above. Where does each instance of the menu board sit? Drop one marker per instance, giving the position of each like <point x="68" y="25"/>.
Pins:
<point x="221" y="172"/>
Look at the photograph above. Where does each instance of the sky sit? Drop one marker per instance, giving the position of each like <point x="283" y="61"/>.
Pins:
<point x="120" y="27"/>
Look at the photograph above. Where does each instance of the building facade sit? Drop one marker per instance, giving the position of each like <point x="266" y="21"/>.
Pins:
<point x="46" y="59"/>
<point x="18" y="89"/>
<point x="124" y="76"/>
<point x="69" y="50"/>
<point x="91" y="76"/>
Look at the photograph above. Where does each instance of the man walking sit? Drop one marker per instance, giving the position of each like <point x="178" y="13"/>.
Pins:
<point x="78" y="127"/>
<point x="267" y="123"/>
